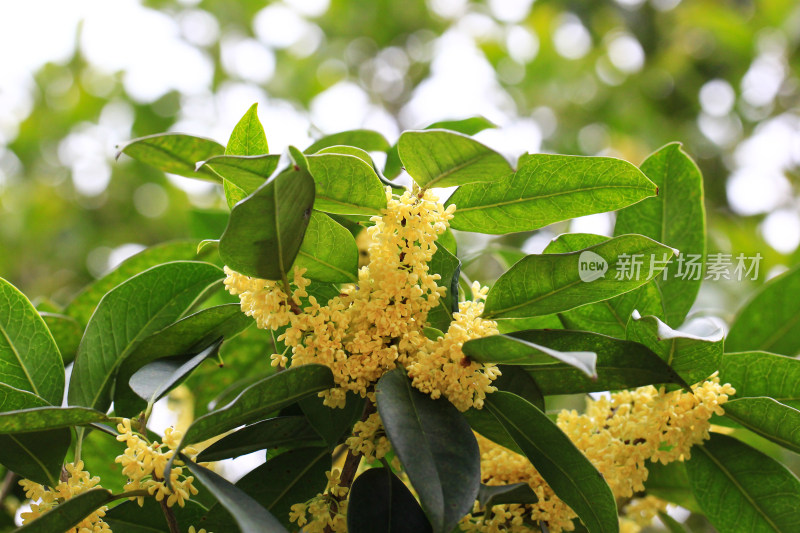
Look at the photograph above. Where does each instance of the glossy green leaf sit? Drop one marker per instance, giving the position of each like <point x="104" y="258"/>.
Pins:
<point x="448" y="267"/>
<point x="380" y="503"/>
<point x="516" y="380"/>
<point x="127" y="315"/>
<point x="248" y="514"/>
<point x="294" y="476"/>
<point x="154" y="380"/>
<point x="265" y="230"/>
<point x="742" y="489"/>
<point x="675" y="217"/>
<point x="671" y="482"/>
<point x="442" y="158"/>
<point x="69" y="513"/>
<point x="248" y="137"/>
<point x="129" y="517"/>
<point x="346" y="185"/>
<point x="755" y="374"/>
<point x="620" y="364"/>
<point x="516" y="350"/>
<point x="484" y="422"/>
<point x="436" y="447"/>
<point x="549" y="188"/>
<point x="368" y="140"/>
<point x="12" y="399"/>
<point x="510" y="325"/>
<point x="333" y="424"/>
<point x="29" y="357"/>
<point x="47" y="417"/>
<point x="263" y="397"/>
<point x="329" y="252"/>
<point x="67" y="333"/>
<point x="36" y="456"/>
<point x="693" y="357"/>
<point x="279" y="432"/>
<point x="84" y="304"/>
<point x="245" y="172"/>
<point x="176" y="153"/>
<point x="568" y="472"/>
<point x="467" y="126"/>
<point x="609" y="317"/>
<point x="186" y="337"/>
<point x="768" y="418"/>
<point x="490" y="495"/>
<point x="769" y="320"/>
<point x="551" y="283"/>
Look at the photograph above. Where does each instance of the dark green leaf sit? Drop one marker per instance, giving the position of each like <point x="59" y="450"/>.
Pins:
<point x="67" y="333"/>
<point x="741" y="489"/>
<point x="29" y="357"/>
<point x="551" y="283"/>
<point x="769" y="418"/>
<point x="515" y="350"/>
<point x="248" y="137"/>
<point x="69" y="513"/>
<point x="368" y="140"/>
<point x="381" y="503"/>
<point x="490" y="495"/>
<point x="755" y="374"/>
<point x="279" y="432"/>
<point x="620" y="364"/>
<point x="332" y="424"/>
<point x="436" y="447"/>
<point x="448" y="267"/>
<point x="329" y="252"/>
<point x="675" y="217"/>
<point x="442" y="158"/>
<point x="128" y="314"/>
<point x="12" y="399"/>
<point x="128" y="517"/>
<point x="485" y="423"/>
<point x="769" y="320"/>
<point x="346" y="185"/>
<point x="693" y="357"/>
<point x="36" y="456"/>
<point x="266" y="230"/>
<point x="248" y="514"/>
<point x="84" y="304"/>
<point x="671" y="482"/>
<point x="568" y="472"/>
<point x="47" y="417"/>
<point x="672" y="525"/>
<point x="549" y="188"/>
<point x="510" y="325"/>
<point x="517" y="380"/>
<point x="467" y="126"/>
<point x="175" y="153"/>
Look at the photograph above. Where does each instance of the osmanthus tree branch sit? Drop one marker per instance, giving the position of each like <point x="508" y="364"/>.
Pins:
<point x="172" y="522"/>
<point x="5" y="488"/>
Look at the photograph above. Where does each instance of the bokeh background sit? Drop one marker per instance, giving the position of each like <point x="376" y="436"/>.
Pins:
<point x="616" y="78"/>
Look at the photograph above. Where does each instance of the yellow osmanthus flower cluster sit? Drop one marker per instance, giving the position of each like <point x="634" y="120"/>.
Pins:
<point x="369" y="439"/>
<point x="373" y="325"/>
<point x="47" y="499"/>
<point x="618" y="434"/>
<point x="325" y="511"/>
<point x="144" y="463"/>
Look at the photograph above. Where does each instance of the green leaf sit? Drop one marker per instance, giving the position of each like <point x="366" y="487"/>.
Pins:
<point x="67" y="333"/>
<point x="551" y="283"/>
<point x="36" y="456"/>
<point x="129" y="517"/>
<point x="47" y="417"/>
<point x="510" y="325"/>
<point x="332" y="424"/>
<point x="671" y="482"/>
<point x="741" y="489"/>
<point x="436" y="447"/>
<point x="768" y="418"/>
<point x="329" y="252"/>
<point x="549" y="188"/>
<point x="12" y="399"/>
<point x="175" y="153"/>
<point x="154" y="380"/>
<point x="448" y="267"/>
<point x="248" y="514"/>
<point x="467" y="126"/>
<point x="693" y="357"/>
<point x="490" y="495"/>
<point x="186" y="337"/>
<point x="248" y="137"/>
<point x="368" y="140"/>
<point x="448" y="241"/>
<point x="484" y="422"/>
<point x="295" y="476"/>
<point x="442" y="158"/>
<point x="672" y="525"/>
<point x="263" y="397"/>
<point x="769" y="320"/>
<point x="515" y="350"/>
<point x="69" y="513"/>
<point x="620" y="364"/>
<point x="279" y="432"/>
<point x="568" y="472"/>
<point x="84" y="304"/>
<point x="246" y="172"/>
<point x="346" y="185"/>
<point x="609" y="317"/>
<point x="675" y="217"/>
<point x="128" y="314"/>
<point x="755" y="374"/>
<point x="516" y="380"/>
<point x="266" y="229"/>
<point x="381" y="503"/>
<point x="29" y="357"/>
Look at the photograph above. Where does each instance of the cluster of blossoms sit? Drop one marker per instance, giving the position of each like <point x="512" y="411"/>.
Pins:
<point x="327" y="511"/>
<point x="144" y="463"/>
<point x="618" y="434"/>
<point x="78" y="482"/>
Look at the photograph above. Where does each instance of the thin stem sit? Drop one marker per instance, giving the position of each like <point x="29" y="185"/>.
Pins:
<point x="79" y="443"/>
<point x="172" y="522"/>
<point x="5" y="488"/>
